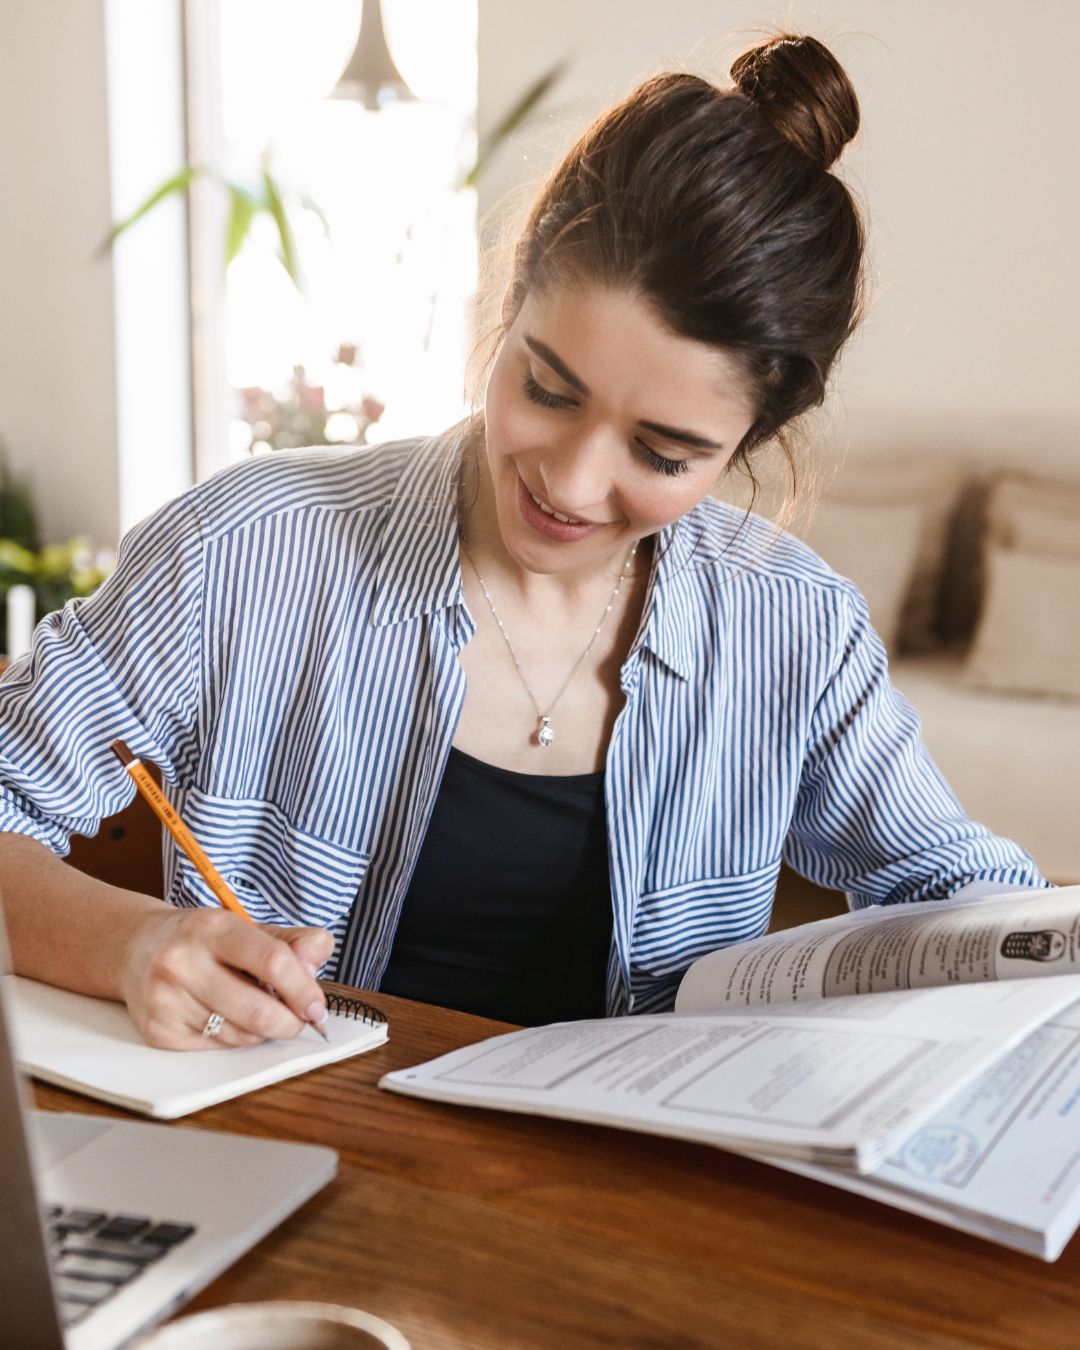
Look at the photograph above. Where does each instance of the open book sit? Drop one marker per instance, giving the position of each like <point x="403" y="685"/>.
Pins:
<point x="1000" y="1159"/>
<point x="892" y="947"/>
<point x="830" y="1046"/>
<point x="90" y="1045"/>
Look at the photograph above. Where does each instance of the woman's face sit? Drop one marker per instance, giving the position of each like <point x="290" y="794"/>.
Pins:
<point x="603" y="426"/>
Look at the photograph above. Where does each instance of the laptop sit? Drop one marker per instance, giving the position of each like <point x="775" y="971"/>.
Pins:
<point x="107" y="1226"/>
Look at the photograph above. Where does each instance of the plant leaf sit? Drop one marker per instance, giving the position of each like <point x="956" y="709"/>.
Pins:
<point x="178" y="183"/>
<point x="316" y="209"/>
<point x="491" y="143"/>
<point x="242" y="210"/>
<point x="274" y="204"/>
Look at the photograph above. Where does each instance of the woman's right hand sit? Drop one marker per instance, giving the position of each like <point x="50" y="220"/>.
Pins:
<point x="172" y="967"/>
<point x="183" y="965"/>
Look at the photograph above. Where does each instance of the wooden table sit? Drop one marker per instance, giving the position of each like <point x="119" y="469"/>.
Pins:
<point x="472" y="1230"/>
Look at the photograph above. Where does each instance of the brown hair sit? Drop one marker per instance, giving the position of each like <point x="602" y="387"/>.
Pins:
<point x="717" y="207"/>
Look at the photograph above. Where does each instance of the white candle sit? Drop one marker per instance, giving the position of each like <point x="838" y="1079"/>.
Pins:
<point x="20" y="621"/>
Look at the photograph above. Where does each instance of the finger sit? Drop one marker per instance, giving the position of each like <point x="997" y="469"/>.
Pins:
<point x="174" y="1020"/>
<point x="243" y="1003"/>
<point x="312" y="947"/>
<point x="219" y="960"/>
<point x="272" y="961"/>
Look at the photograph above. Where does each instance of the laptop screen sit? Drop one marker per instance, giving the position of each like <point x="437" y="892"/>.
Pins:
<point x="26" y="1296"/>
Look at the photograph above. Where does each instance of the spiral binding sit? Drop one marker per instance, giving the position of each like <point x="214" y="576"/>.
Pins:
<point x="355" y="1008"/>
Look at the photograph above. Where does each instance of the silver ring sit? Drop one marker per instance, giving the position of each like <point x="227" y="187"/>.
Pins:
<point x="214" y="1023"/>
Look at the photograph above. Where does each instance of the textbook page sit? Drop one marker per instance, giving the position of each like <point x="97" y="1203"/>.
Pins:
<point x="842" y="1082"/>
<point x="1002" y="1158"/>
<point x="90" y="1045"/>
<point x="893" y="947"/>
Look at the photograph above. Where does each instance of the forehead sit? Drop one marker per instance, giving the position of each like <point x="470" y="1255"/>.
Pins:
<point x="615" y="341"/>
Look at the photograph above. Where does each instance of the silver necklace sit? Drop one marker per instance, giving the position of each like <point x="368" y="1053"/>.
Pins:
<point x="544" y="734"/>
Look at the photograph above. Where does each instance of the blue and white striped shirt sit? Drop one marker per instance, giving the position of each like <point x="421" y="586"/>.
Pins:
<point x="283" y="640"/>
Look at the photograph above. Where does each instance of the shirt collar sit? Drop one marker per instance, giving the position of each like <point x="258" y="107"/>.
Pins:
<point x="669" y="621"/>
<point x="420" y="569"/>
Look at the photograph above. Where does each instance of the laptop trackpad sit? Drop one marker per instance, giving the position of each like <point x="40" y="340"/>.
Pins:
<point x="56" y="1135"/>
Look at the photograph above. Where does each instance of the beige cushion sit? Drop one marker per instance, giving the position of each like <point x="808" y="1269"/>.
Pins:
<point x="1028" y="639"/>
<point x="875" y="547"/>
<point x="931" y="483"/>
<point x="1035" y="516"/>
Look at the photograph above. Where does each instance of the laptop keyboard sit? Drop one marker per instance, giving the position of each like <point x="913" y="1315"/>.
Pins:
<point x="94" y="1254"/>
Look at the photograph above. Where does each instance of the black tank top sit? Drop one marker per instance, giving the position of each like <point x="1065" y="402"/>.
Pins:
<point x="508" y="913"/>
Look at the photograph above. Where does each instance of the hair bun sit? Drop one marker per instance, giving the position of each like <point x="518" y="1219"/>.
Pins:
<point x="803" y="92"/>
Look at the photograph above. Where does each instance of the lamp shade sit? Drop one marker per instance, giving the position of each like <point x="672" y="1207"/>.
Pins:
<point x="371" y="78"/>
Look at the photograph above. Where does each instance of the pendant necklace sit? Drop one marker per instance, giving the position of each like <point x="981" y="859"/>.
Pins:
<point x="545" y="735"/>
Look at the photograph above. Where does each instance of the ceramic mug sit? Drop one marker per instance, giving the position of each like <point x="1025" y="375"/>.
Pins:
<point x="278" y="1326"/>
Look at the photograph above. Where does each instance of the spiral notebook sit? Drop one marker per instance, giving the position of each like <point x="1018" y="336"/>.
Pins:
<point x="90" y="1045"/>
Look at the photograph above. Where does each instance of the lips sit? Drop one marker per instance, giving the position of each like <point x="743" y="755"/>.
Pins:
<point x="554" y="524"/>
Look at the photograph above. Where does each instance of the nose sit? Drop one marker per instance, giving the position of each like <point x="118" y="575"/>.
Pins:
<point x="580" y="475"/>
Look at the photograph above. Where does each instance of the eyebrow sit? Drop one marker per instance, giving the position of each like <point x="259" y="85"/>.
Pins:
<point x="559" y="366"/>
<point x="544" y="352"/>
<point x="684" y="437"/>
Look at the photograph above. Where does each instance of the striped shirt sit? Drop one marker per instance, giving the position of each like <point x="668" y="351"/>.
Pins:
<point x="283" y="642"/>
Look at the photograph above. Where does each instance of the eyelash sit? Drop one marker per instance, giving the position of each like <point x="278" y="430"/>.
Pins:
<point x="537" y="394"/>
<point x="668" y="467"/>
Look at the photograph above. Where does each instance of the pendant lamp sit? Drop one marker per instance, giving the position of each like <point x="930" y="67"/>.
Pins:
<point x="371" y="78"/>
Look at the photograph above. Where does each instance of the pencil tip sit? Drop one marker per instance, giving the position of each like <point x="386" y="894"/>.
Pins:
<point x="321" y="1031"/>
<point x="121" y="751"/>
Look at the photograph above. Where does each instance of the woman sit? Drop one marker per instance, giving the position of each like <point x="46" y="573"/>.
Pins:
<point x="518" y="720"/>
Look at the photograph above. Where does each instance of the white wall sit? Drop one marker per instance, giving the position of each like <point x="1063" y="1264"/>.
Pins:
<point x="968" y="162"/>
<point x="94" y="378"/>
<point x="57" y="360"/>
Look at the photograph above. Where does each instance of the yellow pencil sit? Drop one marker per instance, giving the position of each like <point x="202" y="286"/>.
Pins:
<point x="163" y="809"/>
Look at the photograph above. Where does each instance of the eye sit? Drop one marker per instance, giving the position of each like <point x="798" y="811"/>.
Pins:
<point x="536" y="393"/>
<point x="668" y="467"/>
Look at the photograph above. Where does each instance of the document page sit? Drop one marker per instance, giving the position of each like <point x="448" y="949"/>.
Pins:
<point x="1001" y="1158"/>
<point x="894" y="947"/>
<point x="843" y="1082"/>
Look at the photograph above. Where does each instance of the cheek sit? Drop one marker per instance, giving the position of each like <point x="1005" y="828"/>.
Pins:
<point x="514" y="425"/>
<point x="506" y="414"/>
<point x="661" y="502"/>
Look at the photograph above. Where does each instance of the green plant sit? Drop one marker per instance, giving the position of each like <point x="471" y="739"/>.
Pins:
<point x="264" y="196"/>
<point x="56" y="573"/>
<point x="267" y="196"/>
<point x="522" y="108"/>
<point x="18" y="518"/>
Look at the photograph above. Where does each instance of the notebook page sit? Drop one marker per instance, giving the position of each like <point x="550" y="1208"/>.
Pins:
<point x="90" y="1045"/>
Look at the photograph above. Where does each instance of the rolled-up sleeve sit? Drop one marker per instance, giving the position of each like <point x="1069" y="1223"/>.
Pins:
<point x="124" y="662"/>
<point x="873" y="815"/>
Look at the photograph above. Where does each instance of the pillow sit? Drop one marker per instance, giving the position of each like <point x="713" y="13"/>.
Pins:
<point x="932" y="484"/>
<point x="1035" y="516"/>
<point x="1028" y="640"/>
<point x="875" y="547"/>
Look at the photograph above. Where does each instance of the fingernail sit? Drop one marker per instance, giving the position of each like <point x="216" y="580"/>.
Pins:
<point x="317" y="1013"/>
<point x="313" y="971"/>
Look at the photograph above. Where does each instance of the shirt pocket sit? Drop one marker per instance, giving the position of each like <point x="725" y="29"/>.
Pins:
<point x="279" y="873"/>
<point x="676" y="925"/>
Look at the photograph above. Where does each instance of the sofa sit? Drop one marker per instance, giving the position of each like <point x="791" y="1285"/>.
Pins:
<point x="970" y="563"/>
